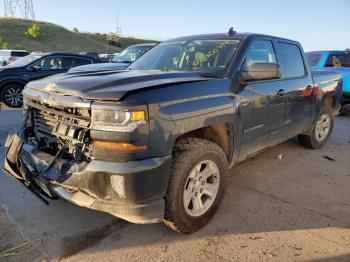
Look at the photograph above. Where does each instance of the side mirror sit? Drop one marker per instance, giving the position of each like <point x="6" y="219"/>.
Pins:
<point x="37" y="68"/>
<point x="261" y="71"/>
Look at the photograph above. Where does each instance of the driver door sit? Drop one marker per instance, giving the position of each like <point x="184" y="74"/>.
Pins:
<point x="262" y="103"/>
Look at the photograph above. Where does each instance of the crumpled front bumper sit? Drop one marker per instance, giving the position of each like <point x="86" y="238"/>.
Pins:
<point x="132" y="190"/>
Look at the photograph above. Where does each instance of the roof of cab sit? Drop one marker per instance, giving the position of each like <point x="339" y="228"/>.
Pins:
<point x="226" y="36"/>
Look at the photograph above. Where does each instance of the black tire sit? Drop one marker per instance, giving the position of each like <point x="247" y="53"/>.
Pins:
<point x="310" y="139"/>
<point x="188" y="154"/>
<point x="11" y="95"/>
<point x="345" y="110"/>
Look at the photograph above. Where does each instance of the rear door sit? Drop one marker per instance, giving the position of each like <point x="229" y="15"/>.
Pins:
<point x="298" y="85"/>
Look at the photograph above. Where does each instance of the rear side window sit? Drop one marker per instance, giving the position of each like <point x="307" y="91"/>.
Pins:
<point x="70" y="62"/>
<point x="293" y="60"/>
<point x="338" y="60"/>
<point x="312" y="59"/>
<point x="19" y="54"/>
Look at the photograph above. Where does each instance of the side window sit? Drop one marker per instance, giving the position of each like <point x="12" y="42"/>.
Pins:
<point x="260" y="51"/>
<point x="293" y="60"/>
<point x="338" y="60"/>
<point x="70" y="62"/>
<point x="19" y="54"/>
<point x="50" y="63"/>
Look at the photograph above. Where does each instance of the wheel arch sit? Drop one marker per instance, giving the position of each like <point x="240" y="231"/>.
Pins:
<point x="11" y="81"/>
<point x="220" y="133"/>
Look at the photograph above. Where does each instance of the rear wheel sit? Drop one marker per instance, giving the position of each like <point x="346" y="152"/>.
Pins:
<point x="196" y="184"/>
<point x="11" y="95"/>
<point x="321" y="130"/>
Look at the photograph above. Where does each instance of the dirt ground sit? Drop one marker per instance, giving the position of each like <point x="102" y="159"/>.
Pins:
<point x="296" y="208"/>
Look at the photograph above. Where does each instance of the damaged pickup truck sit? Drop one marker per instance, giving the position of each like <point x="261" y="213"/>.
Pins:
<point x="154" y="142"/>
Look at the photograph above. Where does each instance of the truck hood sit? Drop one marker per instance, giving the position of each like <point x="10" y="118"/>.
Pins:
<point x="110" y="85"/>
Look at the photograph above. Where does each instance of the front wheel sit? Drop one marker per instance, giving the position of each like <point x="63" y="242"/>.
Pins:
<point x="321" y="130"/>
<point x="196" y="184"/>
<point x="11" y="95"/>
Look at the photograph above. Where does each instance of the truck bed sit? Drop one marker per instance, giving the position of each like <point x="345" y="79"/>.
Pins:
<point x="330" y="84"/>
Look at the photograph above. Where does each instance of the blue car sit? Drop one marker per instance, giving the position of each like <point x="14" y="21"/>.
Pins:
<point x="333" y="61"/>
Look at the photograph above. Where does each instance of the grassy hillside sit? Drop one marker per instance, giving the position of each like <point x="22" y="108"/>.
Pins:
<point x="55" y="38"/>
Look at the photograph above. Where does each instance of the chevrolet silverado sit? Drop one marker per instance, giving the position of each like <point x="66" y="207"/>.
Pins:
<point x="154" y="142"/>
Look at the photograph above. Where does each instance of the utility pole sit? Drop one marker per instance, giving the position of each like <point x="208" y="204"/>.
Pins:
<point x="25" y="7"/>
<point x="118" y="30"/>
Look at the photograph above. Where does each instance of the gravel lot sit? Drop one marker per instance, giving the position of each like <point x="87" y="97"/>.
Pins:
<point x="296" y="208"/>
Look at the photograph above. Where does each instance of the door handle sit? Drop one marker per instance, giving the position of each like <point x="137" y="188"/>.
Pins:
<point x="281" y="92"/>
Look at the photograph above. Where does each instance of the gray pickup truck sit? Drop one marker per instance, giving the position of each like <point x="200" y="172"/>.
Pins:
<point x="154" y="142"/>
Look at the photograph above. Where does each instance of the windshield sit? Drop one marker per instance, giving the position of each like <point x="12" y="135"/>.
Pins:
<point x="25" y="60"/>
<point x="209" y="56"/>
<point x="130" y="54"/>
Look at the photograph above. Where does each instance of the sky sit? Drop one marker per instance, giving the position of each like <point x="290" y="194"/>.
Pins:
<point x="317" y="24"/>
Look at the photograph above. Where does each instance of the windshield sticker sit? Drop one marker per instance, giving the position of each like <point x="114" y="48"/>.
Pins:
<point x="210" y="53"/>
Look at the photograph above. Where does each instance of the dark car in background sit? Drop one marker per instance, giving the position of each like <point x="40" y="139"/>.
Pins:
<point x="16" y="75"/>
<point x="107" y="58"/>
<point x="9" y="56"/>
<point x="90" y="54"/>
<point x="121" y="61"/>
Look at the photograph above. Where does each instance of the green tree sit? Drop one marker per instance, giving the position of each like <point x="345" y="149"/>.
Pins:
<point x="112" y="37"/>
<point x="75" y="30"/>
<point x="18" y="47"/>
<point x="33" y="31"/>
<point x="5" y="45"/>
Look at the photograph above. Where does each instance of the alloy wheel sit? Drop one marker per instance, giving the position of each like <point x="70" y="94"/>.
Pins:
<point x="13" y="96"/>
<point x="323" y="127"/>
<point x="201" y="188"/>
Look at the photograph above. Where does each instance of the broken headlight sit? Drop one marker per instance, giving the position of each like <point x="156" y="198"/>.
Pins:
<point x="117" y="120"/>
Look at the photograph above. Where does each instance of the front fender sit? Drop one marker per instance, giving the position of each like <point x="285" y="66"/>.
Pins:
<point x="171" y="119"/>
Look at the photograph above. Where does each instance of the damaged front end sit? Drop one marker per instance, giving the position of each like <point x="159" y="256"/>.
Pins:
<point x="53" y="155"/>
<point x="51" y="144"/>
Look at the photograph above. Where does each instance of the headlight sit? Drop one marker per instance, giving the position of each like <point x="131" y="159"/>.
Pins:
<point x="120" y="121"/>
